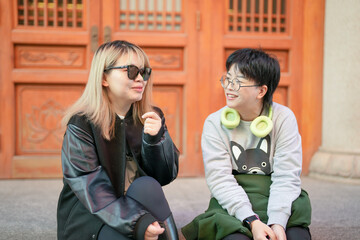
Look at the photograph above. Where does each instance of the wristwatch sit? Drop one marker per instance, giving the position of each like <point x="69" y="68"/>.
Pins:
<point x="247" y="221"/>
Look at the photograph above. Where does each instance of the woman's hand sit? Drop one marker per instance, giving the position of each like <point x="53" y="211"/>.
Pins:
<point x="153" y="231"/>
<point x="152" y="123"/>
<point x="279" y="231"/>
<point x="261" y="231"/>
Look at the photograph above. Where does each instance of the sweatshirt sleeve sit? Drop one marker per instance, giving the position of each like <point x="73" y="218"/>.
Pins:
<point x="92" y="186"/>
<point x="218" y="172"/>
<point x="287" y="164"/>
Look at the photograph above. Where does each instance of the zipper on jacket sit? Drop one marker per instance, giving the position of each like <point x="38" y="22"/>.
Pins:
<point x="123" y="155"/>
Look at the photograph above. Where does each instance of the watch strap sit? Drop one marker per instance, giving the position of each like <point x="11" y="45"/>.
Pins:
<point x="247" y="221"/>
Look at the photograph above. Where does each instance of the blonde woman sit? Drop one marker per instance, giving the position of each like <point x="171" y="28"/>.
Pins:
<point x="116" y="154"/>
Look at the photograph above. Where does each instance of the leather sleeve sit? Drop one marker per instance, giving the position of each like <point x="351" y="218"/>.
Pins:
<point x="160" y="156"/>
<point x="91" y="184"/>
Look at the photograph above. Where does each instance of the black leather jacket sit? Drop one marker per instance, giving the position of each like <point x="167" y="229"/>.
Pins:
<point x="94" y="171"/>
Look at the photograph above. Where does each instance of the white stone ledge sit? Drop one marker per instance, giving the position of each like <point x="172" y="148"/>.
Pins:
<point x="336" y="166"/>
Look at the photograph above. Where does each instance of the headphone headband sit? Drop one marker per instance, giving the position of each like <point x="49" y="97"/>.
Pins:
<point x="270" y="112"/>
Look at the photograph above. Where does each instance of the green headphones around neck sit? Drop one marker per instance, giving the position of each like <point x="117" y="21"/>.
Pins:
<point x="260" y="127"/>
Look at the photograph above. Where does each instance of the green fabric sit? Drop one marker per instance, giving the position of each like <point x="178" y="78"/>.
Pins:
<point x="216" y="223"/>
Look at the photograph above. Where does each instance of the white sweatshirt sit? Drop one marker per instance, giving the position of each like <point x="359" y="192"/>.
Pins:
<point x="278" y="154"/>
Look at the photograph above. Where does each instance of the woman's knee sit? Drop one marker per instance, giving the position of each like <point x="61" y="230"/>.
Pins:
<point x="144" y="186"/>
<point x="148" y="192"/>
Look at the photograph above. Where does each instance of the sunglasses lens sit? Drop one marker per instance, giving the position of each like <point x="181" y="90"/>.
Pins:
<point x="145" y="73"/>
<point x="133" y="71"/>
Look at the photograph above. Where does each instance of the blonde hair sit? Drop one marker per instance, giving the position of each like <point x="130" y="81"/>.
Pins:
<point x="95" y="102"/>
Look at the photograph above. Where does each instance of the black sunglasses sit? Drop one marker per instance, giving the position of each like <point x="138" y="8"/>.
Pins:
<point x="133" y="71"/>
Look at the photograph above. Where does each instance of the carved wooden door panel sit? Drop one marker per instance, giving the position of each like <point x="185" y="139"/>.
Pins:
<point x="48" y="45"/>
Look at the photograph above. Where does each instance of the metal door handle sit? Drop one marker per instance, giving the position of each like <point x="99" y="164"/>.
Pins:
<point x="107" y="34"/>
<point x="94" y="38"/>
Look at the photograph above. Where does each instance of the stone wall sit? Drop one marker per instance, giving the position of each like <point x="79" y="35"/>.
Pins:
<point x="339" y="155"/>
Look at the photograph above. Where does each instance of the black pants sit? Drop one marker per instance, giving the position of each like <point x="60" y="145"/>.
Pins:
<point x="148" y="192"/>
<point x="294" y="233"/>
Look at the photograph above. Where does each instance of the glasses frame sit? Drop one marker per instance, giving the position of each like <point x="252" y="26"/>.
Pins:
<point x="237" y="81"/>
<point x="144" y="72"/>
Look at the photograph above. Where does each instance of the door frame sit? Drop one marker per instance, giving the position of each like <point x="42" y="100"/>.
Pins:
<point x="7" y="92"/>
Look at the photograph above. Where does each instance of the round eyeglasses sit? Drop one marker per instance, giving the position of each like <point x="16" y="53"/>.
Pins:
<point x="235" y="83"/>
<point x="133" y="71"/>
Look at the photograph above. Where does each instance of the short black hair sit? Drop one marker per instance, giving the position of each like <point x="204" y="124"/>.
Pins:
<point x="258" y="66"/>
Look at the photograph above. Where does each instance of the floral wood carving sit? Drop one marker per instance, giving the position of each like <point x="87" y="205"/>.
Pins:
<point x="43" y="57"/>
<point x="165" y="60"/>
<point x="45" y="121"/>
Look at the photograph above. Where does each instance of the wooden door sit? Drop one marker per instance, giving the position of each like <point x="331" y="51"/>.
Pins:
<point x="166" y="30"/>
<point x="48" y="46"/>
<point x="290" y="29"/>
<point x="272" y="25"/>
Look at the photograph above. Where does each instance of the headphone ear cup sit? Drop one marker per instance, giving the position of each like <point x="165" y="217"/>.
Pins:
<point x="261" y="126"/>
<point x="230" y="118"/>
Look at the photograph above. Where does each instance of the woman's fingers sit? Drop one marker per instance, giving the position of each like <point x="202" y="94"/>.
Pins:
<point x="151" y="115"/>
<point x="152" y="123"/>
<point x="153" y="231"/>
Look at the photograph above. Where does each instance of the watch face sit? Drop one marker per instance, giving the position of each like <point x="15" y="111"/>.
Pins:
<point x="252" y="218"/>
